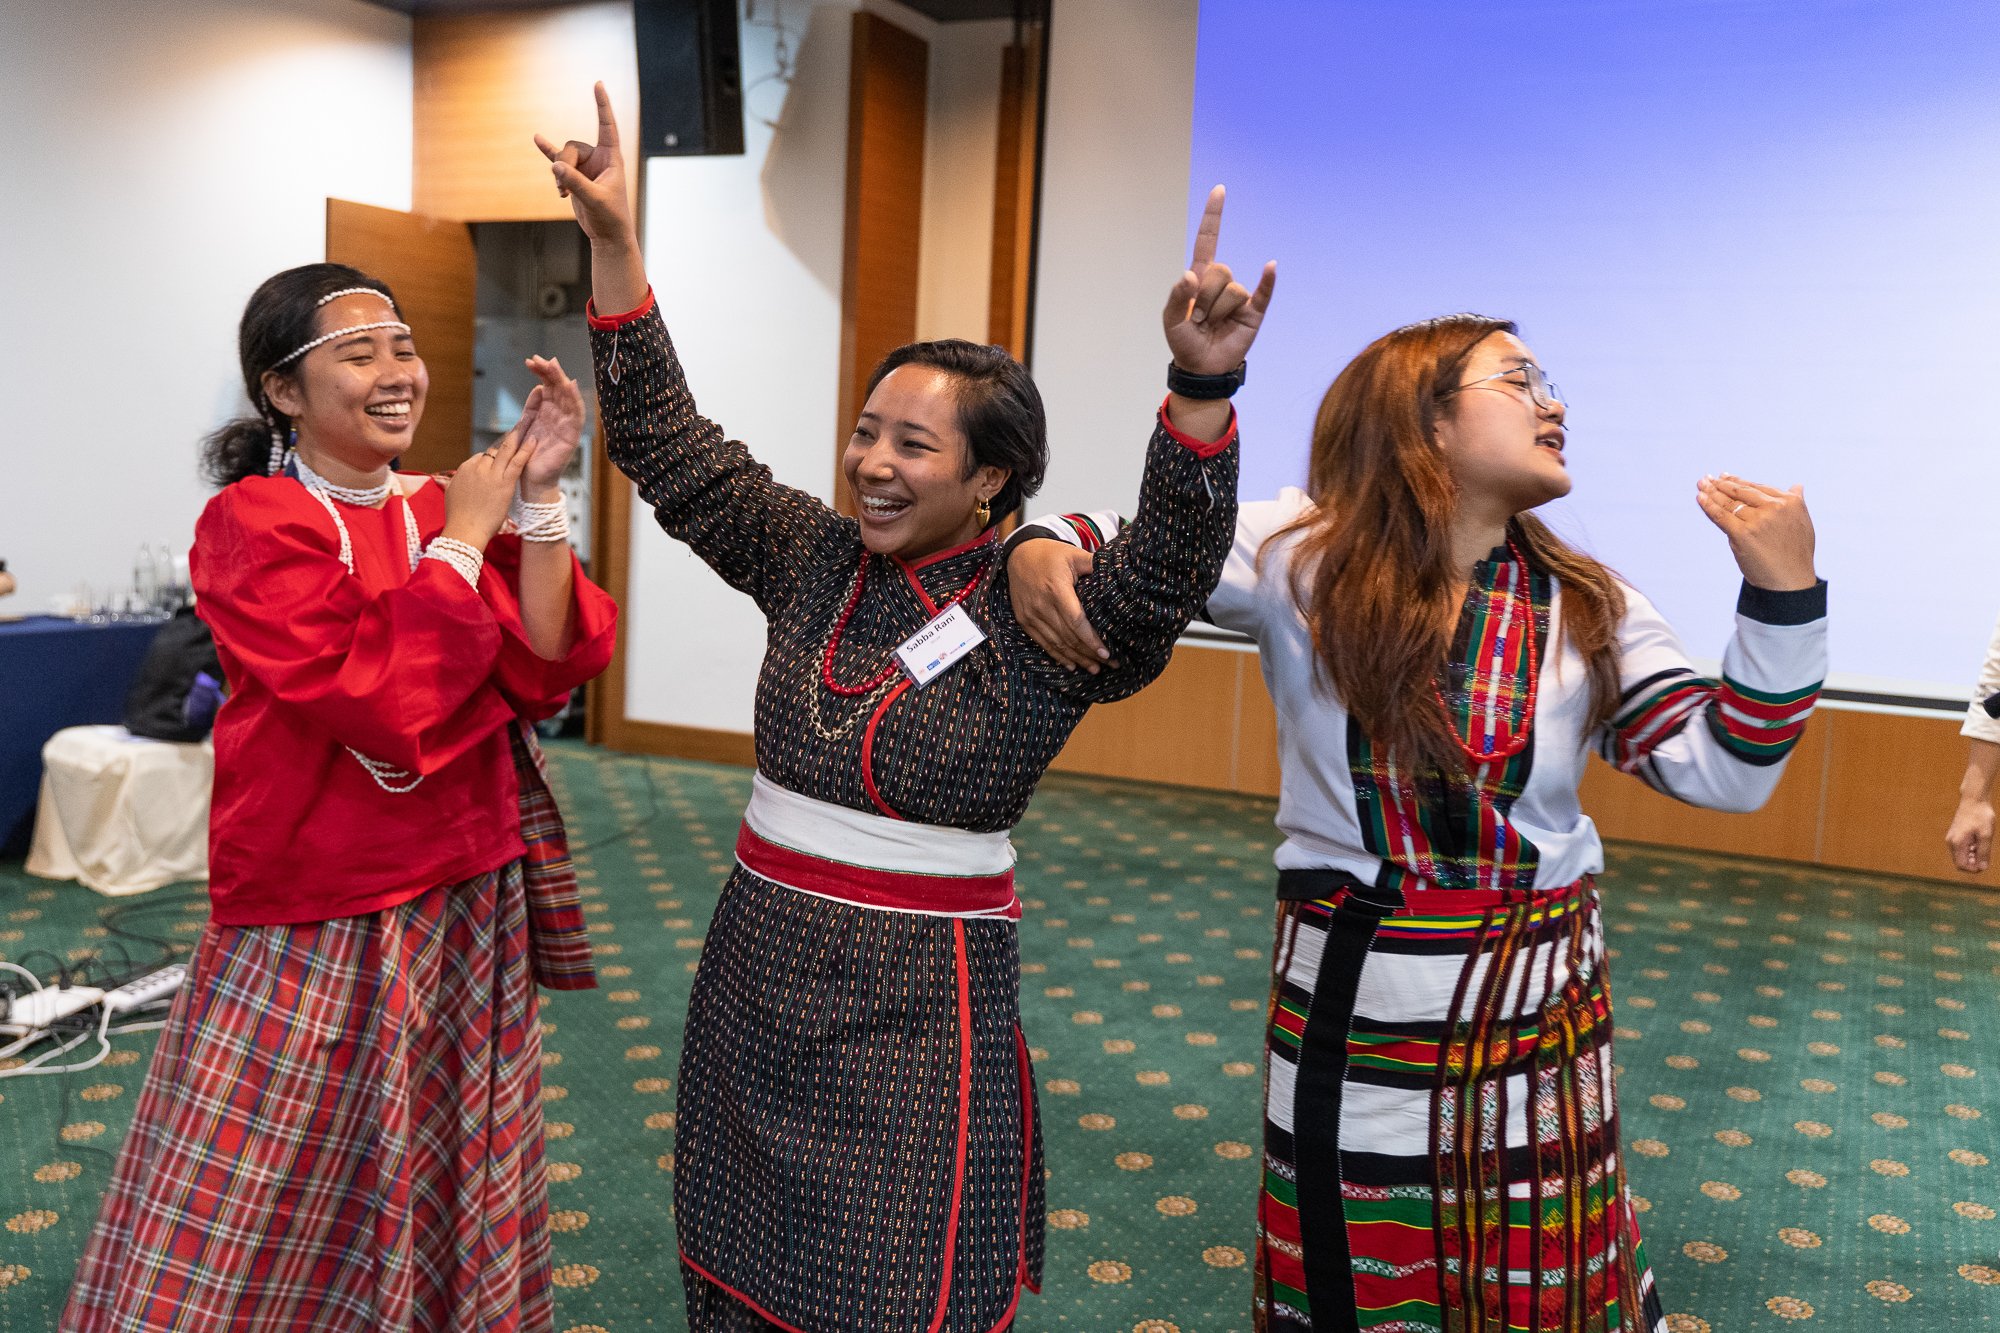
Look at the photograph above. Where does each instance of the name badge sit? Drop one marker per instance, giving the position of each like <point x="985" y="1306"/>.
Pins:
<point x="932" y="650"/>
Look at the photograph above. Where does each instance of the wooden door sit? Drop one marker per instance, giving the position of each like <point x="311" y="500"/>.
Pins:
<point x="1016" y="179"/>
<point x="888" y="84"/>
<point x="431" y="266"/>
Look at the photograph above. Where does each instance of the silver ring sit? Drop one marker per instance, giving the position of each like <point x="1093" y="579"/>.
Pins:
<point x="1734" y="511"/>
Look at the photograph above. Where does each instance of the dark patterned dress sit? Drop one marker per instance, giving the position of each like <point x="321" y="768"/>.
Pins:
<point x="850" y="1154"/>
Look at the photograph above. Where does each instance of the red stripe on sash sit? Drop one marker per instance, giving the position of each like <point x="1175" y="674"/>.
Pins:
<point x="896" y="890"/>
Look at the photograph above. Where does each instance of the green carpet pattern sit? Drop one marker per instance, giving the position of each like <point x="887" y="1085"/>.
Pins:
<point x="1807" y="1115"/>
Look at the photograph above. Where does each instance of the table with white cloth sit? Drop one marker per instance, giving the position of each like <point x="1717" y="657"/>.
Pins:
<point x="122" y="813"/>
<point x="56" y="673"/>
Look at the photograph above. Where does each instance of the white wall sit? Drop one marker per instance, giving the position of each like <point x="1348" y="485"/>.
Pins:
<point x="961" y="141"/>
<point x="171" y="155"/>
<point x="745" y="255"/>
<point x="1114" y="228"/>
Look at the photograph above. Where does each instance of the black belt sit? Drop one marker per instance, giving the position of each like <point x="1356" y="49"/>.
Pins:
<point x="1316" y="883"/>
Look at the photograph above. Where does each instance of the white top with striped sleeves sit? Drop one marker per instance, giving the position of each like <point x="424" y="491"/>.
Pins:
<point x="1715" y="743"/>
<point x="1978" y="725"/>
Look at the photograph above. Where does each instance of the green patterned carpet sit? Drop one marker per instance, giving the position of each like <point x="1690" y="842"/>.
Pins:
<point x="1807" y="1113"/>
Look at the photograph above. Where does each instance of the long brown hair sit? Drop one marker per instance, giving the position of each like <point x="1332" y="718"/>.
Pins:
<point x="1373" y="573"/>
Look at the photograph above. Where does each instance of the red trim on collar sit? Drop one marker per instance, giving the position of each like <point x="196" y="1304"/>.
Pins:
<point x="609" y="322"/>
<point x="909" y="566"/>
<point x="1200" y="448"/>
<point x="923" y="593"/>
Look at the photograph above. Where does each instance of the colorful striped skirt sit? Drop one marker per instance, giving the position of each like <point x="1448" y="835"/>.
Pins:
<point x="1441" y="1129"/>
<point x="341" y="1130"/>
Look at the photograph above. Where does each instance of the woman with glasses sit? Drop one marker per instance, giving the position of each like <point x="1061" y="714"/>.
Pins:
<point x="1441" y="1128"/>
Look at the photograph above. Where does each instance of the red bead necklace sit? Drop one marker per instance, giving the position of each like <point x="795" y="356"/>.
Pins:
<point x="853" y="601"/>
<point x="1493" y="750"/>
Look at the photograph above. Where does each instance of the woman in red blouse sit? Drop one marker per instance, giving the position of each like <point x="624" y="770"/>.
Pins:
<point x="341" y="1128"/>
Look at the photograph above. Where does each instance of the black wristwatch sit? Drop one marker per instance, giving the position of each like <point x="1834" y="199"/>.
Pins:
<point x="1189" y="385"/>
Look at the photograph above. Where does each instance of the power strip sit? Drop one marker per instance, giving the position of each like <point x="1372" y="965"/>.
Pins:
<point x="146" y="990"/>
<point x="32" y="1013"/>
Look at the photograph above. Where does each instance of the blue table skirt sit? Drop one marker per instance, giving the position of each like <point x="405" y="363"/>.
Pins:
<point x="55" y="673"/>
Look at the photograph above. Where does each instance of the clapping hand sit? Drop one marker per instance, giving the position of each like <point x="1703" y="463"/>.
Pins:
<point x="1211" y="319"/>
<point x="551" y="425"/>
<point x="1770" y="531"/>
<point x="478" y="495"/>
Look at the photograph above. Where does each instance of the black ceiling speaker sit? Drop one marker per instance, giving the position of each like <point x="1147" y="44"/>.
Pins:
<point x="690" y="78"/>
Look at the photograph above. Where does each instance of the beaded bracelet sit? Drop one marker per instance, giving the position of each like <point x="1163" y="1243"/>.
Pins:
<point x="461" y="556"/>
<point x="540" y="522"/>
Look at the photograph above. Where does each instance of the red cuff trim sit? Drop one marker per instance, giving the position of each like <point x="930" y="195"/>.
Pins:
<point x="1199" y="448"/>
<point x="609" y="322"/>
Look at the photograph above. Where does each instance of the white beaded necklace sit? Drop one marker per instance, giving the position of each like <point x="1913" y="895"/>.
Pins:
<point x="364" y="497"/>
<point x="386" y="775"/>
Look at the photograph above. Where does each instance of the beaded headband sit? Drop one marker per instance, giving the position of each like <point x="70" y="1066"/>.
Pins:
<point x="279" y="445"/>
<point x="352" y="328"/>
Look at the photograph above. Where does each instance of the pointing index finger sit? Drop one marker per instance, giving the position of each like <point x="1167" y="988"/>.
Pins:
<point x="607" y="122"/>
<point x="1209" y="232"/>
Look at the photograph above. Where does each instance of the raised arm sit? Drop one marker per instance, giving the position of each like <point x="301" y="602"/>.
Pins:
<point x="705" y="490"/>
<point x="1149" y="580"/>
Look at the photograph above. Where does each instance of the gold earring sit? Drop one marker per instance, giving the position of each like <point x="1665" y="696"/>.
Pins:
<point x="984" y="513"/>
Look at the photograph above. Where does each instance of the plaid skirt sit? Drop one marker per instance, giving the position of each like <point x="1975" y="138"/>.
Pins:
<point x="1441" y="1128"/>
<point x="341" y="1130"/>
<point x="857" y="1145"/>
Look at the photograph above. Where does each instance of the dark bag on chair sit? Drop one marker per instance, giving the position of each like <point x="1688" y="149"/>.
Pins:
<point x="179" y="685"/>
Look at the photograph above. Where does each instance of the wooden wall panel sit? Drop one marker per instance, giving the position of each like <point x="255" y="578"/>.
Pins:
<point x="888" y="88"/>
<point x="431" y="266"/>
<point x="1014" y="180"/>
<point x="1786" y="829"/>
<point x="1256" y="727"/>
<point x="487" y="83"/>
<point x="1179" y="729"/>
<point x="611" y="496"/>
<point x="703" y="743"/>
<point x="1891" y="788"/>
<point x="1865" y="791"/>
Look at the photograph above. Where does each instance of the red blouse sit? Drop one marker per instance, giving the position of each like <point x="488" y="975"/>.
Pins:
<point x="417" y="670"/>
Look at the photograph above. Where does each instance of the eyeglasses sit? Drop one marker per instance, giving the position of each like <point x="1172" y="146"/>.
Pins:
<point x="1542" y="391"/>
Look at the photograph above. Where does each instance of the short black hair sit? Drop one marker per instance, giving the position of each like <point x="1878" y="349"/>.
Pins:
<point x="999" y="409"/>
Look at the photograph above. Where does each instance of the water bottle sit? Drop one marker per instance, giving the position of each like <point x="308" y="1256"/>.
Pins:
<point x="166" y="589"/>
<point x="143" y="588"/>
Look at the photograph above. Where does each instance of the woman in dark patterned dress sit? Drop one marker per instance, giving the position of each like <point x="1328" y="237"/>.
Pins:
<point x="1441" y="1143"/>
<point x="857" y="1137"/>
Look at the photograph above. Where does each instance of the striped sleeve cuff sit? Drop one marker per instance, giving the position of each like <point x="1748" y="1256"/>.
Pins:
<point x="1655" y="717"/>
<point x="1760" y="726"/>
